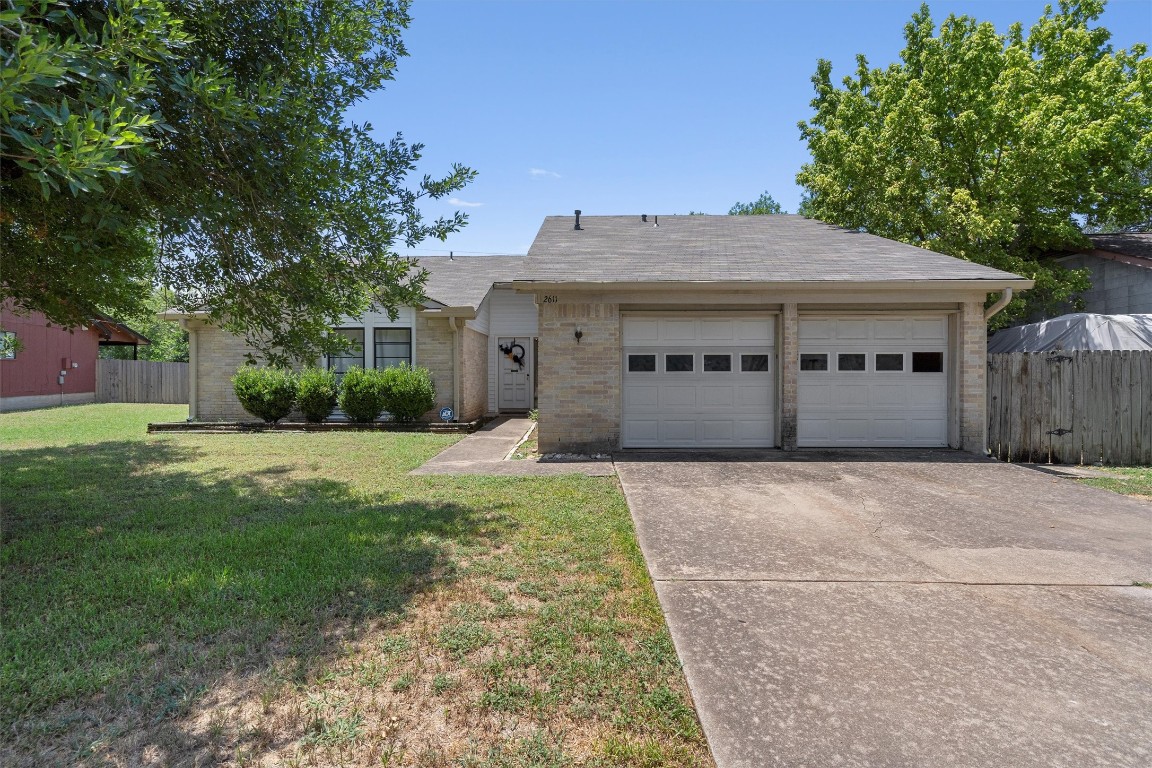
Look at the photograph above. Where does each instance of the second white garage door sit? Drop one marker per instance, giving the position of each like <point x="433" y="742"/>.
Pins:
<point x="698" y="381"/>
<point x="873" y="381"/>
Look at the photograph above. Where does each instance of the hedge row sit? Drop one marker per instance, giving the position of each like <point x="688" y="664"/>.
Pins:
<point x="270" y="393"/>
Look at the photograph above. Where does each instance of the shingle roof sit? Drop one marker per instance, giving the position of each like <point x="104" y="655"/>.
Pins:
<point x="464" y="281"/>
<point x="1138" y="244"/>
<point x="730" y="249"/>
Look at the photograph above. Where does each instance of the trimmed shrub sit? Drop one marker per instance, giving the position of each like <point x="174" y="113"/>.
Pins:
<point x="316" y="393"/>
<point x="362" y="394"/>
<point x="266" y="393"/>
<point x="409" y="392"/>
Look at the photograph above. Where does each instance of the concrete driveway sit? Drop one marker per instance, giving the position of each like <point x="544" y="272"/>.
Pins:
<point x="901" y="608"/>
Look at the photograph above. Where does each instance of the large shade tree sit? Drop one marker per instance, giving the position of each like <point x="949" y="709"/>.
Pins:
<point x="992" y="147"/>
<point x="203" y="146"/>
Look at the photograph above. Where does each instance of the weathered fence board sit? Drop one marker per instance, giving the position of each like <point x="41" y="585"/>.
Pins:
<point x="141" y="381"/>
<point x="1071" y="407"/>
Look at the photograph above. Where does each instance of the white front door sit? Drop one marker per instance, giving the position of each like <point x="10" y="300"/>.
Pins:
<point x="514" y="375"/>
<point x="698" y="381"/>
<point x="873" y="382"/>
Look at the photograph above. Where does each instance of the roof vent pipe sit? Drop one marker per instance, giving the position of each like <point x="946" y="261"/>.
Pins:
<point x="577" y="220"/>
<point x="643" y="218"/>
<point x="655" y="221"/>
<point x="450" y="256"/>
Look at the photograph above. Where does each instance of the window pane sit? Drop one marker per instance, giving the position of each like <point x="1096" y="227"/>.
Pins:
<point x="851" y="362"/>
<point x="393" y="346"/>
<point x="889" y="362"/>
<point x="641" y="363"/>
<point x="717" y="363"/>
<point x="678" y="363"/>
<point x="814" y="362"/>
<point x="352" y="357"/>
<point x="753" y="363"/>
<point x="927" y="362"/>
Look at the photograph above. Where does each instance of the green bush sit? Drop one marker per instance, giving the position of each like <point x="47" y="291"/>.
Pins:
<point x="316" y="394"/>
<point x="362" y="394"/>
<point x="409" y="392"/>
<point x="266" y="393"/>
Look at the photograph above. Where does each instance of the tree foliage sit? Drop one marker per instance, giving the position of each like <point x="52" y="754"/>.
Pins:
<point x="169" y="342"/>
<point x="203" y="146"/>
<point x="994" y="148"/>
<point x="765" y="204"/>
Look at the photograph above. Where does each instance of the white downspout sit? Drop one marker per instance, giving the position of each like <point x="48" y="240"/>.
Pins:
<point x="1001" y="302"/>
<point x="455" y="367"/>
<point x="193" y="368"/>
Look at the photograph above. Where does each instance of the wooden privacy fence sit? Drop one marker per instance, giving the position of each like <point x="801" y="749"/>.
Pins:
<point x="1071" y="407"/>
<point x="141" y="381"/>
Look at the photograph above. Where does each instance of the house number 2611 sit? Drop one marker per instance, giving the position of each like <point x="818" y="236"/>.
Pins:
<point x="551" y="299"/>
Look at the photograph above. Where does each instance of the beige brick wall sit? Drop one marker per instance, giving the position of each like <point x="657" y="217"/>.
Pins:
<point x="434" y="338"/>
<point x="579" y="384"/>
<point x="789" y="375"/>
<point x="218" y="355"/>
<point x="973" y="360"/>
<point x="474" y="375"/>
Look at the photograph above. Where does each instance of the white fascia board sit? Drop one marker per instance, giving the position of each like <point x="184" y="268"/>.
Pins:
<point x="989" y="285"/>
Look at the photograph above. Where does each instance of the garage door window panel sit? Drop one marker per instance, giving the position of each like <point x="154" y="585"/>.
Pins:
<point x="927" y="362"/>
<point x="717" y="363"/>
<point x="851" y="362"/>
<point x="679" y="363"/>
<point x="754" y="363"/>
<point x="814" y="361"/>
<point x="887" y="362"/>
<point x="642" y="363"/>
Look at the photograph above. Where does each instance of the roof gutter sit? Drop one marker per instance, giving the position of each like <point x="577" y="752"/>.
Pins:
<point x="1001" y="302"/>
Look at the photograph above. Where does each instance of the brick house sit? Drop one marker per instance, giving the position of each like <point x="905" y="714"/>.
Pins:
<point x="690" y="332"/>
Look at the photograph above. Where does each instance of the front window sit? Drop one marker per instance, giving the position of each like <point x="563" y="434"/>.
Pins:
<point x="353" y="356"/>
<point x="393" y="347"/>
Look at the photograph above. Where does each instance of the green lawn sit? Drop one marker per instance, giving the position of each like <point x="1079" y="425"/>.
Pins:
<point x="298" y="599"/>
<point x="1131" y="481"/>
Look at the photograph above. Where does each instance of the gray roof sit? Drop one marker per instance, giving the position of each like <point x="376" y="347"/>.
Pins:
<point x="1138" y="244"/>
<point x="770" y="248"/>
<point x="464" y="281"/>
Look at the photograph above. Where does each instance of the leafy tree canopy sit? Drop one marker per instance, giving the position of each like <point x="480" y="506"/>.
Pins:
<point x="994" y="148"/>
<point x="765" y="204"/>
<point x="202" y="146"/>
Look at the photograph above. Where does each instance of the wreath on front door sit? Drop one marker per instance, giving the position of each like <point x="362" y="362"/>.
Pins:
<point x="509" y="351"/>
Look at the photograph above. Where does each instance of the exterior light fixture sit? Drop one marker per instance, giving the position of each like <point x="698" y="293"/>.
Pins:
<point x="579" y="334"/>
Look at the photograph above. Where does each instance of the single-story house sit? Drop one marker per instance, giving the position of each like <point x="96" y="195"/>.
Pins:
<point x="689" y="332"/>
<point x="1120" y="268"/>
<point x="54" y="365"/>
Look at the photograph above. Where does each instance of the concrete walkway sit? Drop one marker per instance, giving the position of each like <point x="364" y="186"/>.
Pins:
<point x="483" y="452"/>
<point x="919" y="608"/>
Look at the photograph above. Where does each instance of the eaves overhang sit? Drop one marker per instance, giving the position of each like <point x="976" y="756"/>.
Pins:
<point x="986" y="284"/>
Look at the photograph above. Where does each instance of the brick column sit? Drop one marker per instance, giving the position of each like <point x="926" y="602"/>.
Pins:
<point x="579" y="382"/>
<point x="789" y="372"/>
<point x="973" y="360"/>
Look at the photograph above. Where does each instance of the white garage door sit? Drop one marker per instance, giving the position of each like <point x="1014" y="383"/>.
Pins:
<point x="873" y="382"/>
<point x="698" y="381"/>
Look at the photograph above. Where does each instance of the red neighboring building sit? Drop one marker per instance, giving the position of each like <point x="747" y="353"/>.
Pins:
<point x="31" y="377"/>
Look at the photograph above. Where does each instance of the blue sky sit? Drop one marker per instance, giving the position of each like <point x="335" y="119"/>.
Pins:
<point x="621" y="107"/>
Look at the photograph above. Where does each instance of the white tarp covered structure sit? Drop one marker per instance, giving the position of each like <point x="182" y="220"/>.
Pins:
<point x="1078" y="331"/>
